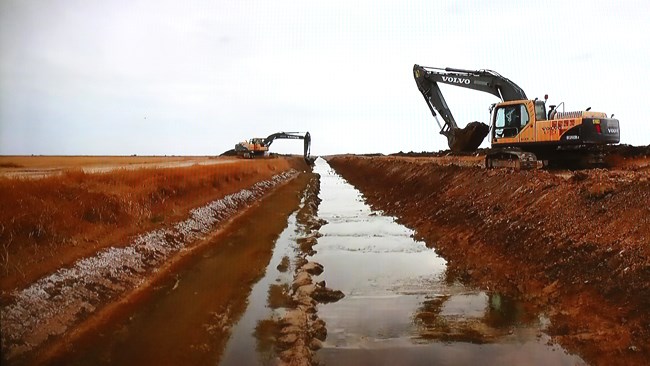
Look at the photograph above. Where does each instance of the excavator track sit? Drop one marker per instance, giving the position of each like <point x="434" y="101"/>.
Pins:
<point x="511" y="158"/>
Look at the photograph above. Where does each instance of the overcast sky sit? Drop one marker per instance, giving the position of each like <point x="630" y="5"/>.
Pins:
<point x="195" y="77"/>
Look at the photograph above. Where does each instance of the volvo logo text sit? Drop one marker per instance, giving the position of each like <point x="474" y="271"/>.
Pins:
<point x="456" y="80"/>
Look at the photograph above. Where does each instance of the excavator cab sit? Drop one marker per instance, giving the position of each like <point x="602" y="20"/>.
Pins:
<point x="509" y="120"/>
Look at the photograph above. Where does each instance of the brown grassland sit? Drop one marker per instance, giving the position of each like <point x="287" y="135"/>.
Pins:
<point x="53" y="162"/>
<point x="51" y="222"/>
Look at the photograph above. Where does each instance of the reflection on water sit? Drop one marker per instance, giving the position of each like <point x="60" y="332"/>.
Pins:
<point x="401" y="305"/>
<point x="187" y="319"/>
<point x="252" y="338"/>
<point x="266" y="332"/>
<point x="476" y="318"/>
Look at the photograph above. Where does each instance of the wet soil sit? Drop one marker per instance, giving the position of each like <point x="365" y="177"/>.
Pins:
<point x="573" y="245"/>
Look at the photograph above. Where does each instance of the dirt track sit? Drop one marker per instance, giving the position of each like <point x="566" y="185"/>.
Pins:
<point x="573" y="244"/>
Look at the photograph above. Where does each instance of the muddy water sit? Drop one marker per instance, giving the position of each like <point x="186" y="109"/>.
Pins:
<point x="402" y="306"/>
<point x="248" y="344"/>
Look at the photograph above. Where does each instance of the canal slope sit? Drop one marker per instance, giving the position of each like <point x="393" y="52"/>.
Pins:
<point x="111" y="315"/>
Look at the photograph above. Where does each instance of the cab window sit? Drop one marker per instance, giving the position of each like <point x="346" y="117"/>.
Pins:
<point x="500" y="119"/>
<point x="523" y="113"/>
<point x="509" y="120"/>
<point x="540" y="110"/>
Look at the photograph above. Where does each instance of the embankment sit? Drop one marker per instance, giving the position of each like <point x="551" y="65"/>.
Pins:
<point x="208" y="292"/>
<point x="573" y="244"/>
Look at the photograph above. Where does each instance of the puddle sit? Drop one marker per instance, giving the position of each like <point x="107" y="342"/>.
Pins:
<point x="402" y="307"/>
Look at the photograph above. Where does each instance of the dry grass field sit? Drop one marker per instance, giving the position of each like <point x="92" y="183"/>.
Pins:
<point x="52" y="221"/>
<point x="41" y="166"/>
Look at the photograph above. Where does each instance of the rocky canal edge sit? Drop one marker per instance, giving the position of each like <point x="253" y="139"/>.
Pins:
<point x="57" y="304"/>
<point x="300" y="332"/>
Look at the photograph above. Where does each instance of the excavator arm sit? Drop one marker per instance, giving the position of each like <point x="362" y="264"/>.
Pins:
<point x="291" y="136"/>
<point x="469" y="138"/>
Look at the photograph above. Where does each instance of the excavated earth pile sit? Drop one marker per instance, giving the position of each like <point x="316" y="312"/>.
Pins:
<point x="625" y="157"/>
<point x="576" y="245"/>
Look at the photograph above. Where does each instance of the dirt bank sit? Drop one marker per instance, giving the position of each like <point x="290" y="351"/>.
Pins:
<point x="161" y="327"/>
<point x="621" y="157"/>
<point x="573" y="244"/>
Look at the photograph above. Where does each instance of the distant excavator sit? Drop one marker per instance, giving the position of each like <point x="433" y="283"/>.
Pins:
<point x="521" y="130"/>
<point x="259" y="146"/>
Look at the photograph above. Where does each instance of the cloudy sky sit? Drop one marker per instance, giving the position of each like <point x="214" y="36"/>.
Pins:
<point x="195" y="77"/>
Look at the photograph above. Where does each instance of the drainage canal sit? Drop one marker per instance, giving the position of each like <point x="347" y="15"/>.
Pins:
<point x="248" y="300"/>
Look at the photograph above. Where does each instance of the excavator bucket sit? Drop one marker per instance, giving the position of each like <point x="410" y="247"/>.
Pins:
<point x="469" y="138"/>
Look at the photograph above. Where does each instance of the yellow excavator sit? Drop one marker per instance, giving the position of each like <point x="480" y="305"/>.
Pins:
<point x="259" y="146"/>
<point x="522" y="131"/>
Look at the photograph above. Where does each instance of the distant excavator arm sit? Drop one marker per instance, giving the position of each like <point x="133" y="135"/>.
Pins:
<point x="291" y="136"/>
<point x="468" y="139"/>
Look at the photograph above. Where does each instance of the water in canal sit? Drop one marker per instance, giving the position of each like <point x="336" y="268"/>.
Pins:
<point x="246" y="345"/>
<point x="401" y="306"/>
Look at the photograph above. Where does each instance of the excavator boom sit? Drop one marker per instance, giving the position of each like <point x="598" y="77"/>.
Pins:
<point x="470" y="137"/>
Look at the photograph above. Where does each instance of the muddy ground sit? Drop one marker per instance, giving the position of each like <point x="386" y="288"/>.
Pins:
<point x="573" y="244"/>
